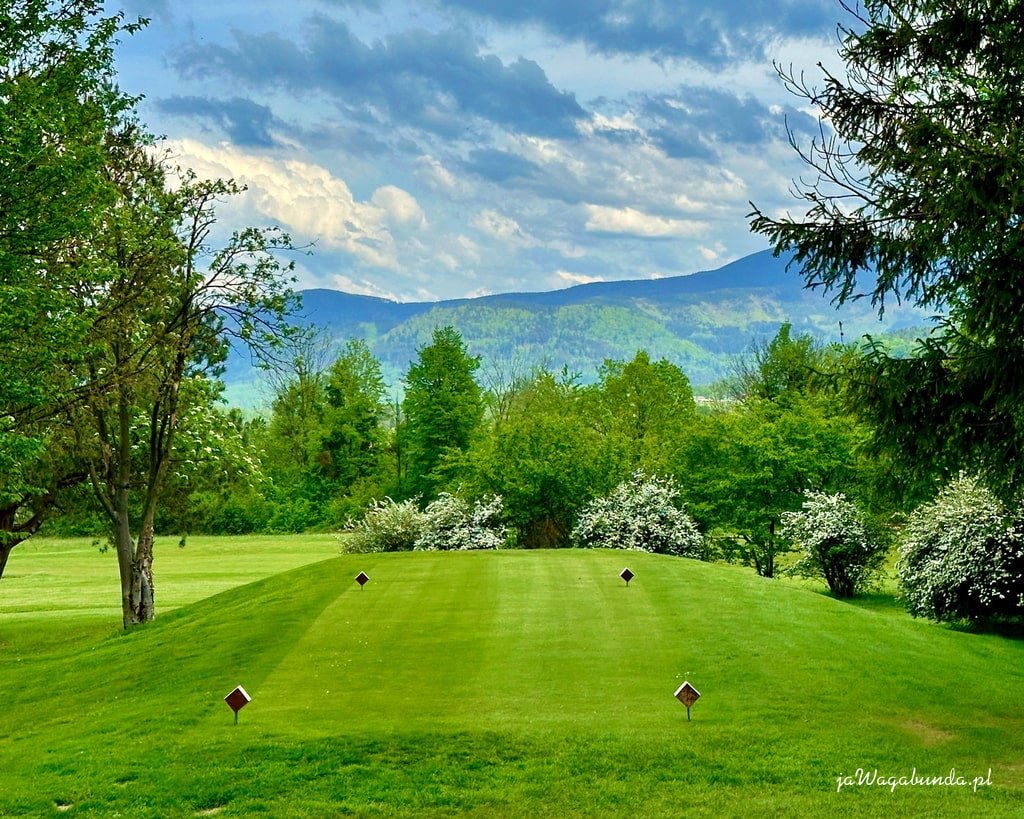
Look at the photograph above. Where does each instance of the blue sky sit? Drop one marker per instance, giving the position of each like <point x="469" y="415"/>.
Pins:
<point x="444" y="148"/>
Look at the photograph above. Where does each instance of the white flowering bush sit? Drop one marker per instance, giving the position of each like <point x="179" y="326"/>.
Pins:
<point x="641" y="513"/>
<point x="833" y="543"/>
<point x="962" y="557"/>
<point x="450" y="523"/>
<point x="386" y="526"/>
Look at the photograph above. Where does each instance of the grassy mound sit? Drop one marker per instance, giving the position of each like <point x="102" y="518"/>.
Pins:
<point x="513" y="683"/>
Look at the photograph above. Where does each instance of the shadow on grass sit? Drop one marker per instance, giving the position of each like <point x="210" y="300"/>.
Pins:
<point x="884" y="602"/>
<point x="880" y="601"/>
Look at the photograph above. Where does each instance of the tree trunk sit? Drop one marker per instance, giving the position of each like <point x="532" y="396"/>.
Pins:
<point x="8" y="538"/>
<point x="11" y="534"/>
<point x="135" y="561"/>
<point x="139" y="604"/>
<point x="5" y="552"/>
<point x="769" y="566"/>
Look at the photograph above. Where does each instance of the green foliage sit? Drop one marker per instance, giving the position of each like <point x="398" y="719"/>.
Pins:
<point x="746" y="463"/>
<point x="58" y="105"/>
<point x="916" y="192"/>
<point x="962" y="556"/>
<point x="173" y="302"/>
<point x="643" y="406"/>
<point x="783" y="365"/>
<point x="643" y="514"/>
<point x="354" y="438"/>
<point x="443" y="407"/>
<point x="834" y="543"/>
<point x="545" y="459"/>
<point x="326" y="445"/>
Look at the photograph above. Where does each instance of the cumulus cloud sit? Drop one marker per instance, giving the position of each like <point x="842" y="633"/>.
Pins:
<point x="711" y="254"/>
<point x="499" y="226"/>
<point x="435" y="174"/>
<point x="361" y="287"/>
<point x="309" y="200"/>
<point x="632" y="222"/>
<point x="399" y="207"/>
<point x="467" y="145"/>
<point x="578" y="278"/>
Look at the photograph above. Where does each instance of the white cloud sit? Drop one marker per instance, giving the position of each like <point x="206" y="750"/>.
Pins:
<point x="309" y="200"/>
<point x="712" y="254"/>
<point x="578" y="278"/>
<point x="502" y="227"/>
<point x="631" y="222"/>
<point x="361" y="287"/>
<point x="436" y="175"/>
<point x="625" y="123"/>
<point x="400" y="208"/>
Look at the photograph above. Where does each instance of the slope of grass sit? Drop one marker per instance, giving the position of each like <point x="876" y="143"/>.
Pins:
<point x="512" y="683"/>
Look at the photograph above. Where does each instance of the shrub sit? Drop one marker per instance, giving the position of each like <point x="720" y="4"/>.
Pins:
<point x="962" y="557"/>
<point x="833" y="542"/>
<point x="450" y="523"/>
<point x="642" y="514"/>
<point x="386" y="526"/>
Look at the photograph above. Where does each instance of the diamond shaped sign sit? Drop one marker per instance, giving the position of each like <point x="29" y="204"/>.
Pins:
<point x="237" y="700"/>
<point x="362" y="579"/>
<point x="687" y="695"/>
<point x="626" y="575"/>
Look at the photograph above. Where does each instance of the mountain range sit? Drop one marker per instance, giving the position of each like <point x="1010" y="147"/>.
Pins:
<point x="702" y="322"/>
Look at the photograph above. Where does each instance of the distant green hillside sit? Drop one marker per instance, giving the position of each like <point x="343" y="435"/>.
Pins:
<point x="700" y="322"/>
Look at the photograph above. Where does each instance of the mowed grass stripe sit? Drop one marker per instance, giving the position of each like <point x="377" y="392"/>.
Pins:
<point x="389" y="655"/>
<point x="509" y="640"/>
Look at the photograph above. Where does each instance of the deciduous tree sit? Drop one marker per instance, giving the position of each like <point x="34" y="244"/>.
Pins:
<point x="175" y="300"/>
<point x="645" y="405"/>
<point x="834" y="543"/>
<point x="58" y="104"/>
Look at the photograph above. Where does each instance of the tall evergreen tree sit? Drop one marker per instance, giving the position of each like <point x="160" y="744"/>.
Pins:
<point x="354" y="440"/>
<point x="917" y="193"/>
<point x="443" y="407"/>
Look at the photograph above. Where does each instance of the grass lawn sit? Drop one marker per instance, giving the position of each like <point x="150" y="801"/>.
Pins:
<point x="504" y="684"/>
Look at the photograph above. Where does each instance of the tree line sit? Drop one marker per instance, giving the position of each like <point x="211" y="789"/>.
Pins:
<point x="544" y="441"/>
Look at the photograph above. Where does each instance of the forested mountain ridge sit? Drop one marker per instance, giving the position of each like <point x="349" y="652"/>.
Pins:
<point x="700" y="321"/>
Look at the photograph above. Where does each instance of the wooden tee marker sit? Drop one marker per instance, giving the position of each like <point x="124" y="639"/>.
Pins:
<point x="687" y="695"/>
<point x="626" y="575"/>
<point x="237" y="700"/>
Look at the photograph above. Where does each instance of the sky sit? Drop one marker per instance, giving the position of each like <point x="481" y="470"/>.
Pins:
<point x="436" y="149"/>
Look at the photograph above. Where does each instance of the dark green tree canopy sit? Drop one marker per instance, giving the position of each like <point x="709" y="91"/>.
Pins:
<point x="443" y="406"/>
<point x="916" y="192"/>
<point x="355" y="412"/>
